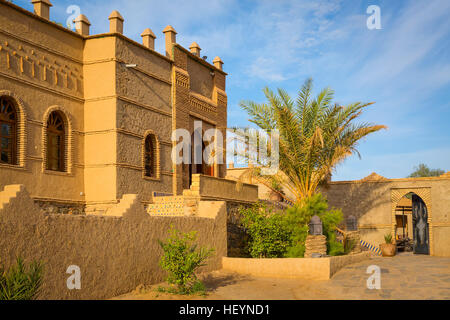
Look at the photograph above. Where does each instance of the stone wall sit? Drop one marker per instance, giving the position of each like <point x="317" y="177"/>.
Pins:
<point x="52" y="207"/>
<point x="237" y="237"/>
<point x="115" y="253"/>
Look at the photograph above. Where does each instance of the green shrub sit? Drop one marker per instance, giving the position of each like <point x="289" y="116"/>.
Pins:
<point x="297" y="219"/>
<point x="269" y="236"/>
<point x="20" y="282"/>
<point x="299" y="216"/>
<point x="181" y="259"/>
<point x="284" y="235"/>
<point x="334" y="247"/>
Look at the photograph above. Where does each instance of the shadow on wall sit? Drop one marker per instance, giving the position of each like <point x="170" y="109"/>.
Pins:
<point x="115" y="253"/>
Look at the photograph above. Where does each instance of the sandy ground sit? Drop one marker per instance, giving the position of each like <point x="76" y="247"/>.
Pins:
<point x="407" y="277"/>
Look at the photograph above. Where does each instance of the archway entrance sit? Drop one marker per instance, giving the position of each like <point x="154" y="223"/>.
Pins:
<point x="411" y="220"/>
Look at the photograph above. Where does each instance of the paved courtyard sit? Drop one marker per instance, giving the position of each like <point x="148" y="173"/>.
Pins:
<point x="402" y="277"/>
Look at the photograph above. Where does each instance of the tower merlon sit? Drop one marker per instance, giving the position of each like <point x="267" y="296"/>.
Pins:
<point x="116" y="22"/>
<point x="195" y="49"/>
<point x="82" y="25"/>
<point x="148" y="38"/>
<point x="218" y="63"/>
<point x="171" y="38"/>
<point x="42" y="8"/>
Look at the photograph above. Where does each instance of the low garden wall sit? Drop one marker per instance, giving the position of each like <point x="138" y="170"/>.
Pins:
<point x="292" y="268"/>
<point x="115" y="253"/>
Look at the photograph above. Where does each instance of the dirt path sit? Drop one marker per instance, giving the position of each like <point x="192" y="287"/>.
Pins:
<point x="402" y="277"/>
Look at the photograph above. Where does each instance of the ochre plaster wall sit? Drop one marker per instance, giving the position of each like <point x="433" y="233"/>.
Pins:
<point x="115" y="253"/>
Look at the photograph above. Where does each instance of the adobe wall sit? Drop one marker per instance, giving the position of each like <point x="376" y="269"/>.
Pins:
<point x="116" y="253"/>
<point x="213" y="189"/>
<point x="374" y="202"/>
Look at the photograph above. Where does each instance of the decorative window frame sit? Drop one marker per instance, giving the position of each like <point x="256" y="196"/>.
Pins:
<point x="21" y="137"/>
<point x="157" y="150"/>
<point x="69" y="142"/>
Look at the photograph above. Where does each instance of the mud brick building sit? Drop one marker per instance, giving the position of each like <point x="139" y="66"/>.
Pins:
<point x="86" y="119"/>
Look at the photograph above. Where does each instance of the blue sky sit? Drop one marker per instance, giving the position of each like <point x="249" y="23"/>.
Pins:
<point x="404" y="67"/>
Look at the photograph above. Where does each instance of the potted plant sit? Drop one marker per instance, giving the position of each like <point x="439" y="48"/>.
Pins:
<point x="276" y="191"/>
<point x="388" y="249"/>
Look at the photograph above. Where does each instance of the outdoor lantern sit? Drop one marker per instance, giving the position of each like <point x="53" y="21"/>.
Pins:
<point x="351" y="223"/>
<point x="315" y="226"/>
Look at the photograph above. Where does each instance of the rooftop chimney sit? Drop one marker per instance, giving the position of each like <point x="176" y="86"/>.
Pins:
<point x="195" y="49"/>
<point x="148" y="38"/>
<point x="218" y="63"/>
<point x="171" y="38"/>
<point x="82" y="25"/>
<point x="116" y="22"/>
<point x="42" y="8"/>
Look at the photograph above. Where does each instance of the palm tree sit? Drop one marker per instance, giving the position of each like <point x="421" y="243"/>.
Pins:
<point x="315" y="136"/>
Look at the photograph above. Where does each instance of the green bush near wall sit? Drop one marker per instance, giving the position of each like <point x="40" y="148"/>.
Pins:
<point x="268" y="231"/>
<point x="283" y="234"/>
<point x="181" y="259"/>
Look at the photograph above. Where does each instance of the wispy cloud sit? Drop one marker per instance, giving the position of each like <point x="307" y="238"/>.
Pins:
<point x="410" y="37"/>
<point x="404" y="68"/>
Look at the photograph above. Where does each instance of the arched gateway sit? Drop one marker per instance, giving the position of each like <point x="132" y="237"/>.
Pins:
<point x="421" y="231"/>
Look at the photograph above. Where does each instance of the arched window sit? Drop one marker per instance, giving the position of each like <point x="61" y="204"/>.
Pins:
<point x="8" y="131"/>
<point x="150" y="156"/>
<point x="56" y="142"/>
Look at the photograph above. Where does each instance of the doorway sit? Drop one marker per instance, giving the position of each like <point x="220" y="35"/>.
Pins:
<point x="412" y="229"/>
<point x="199" y="168"/>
